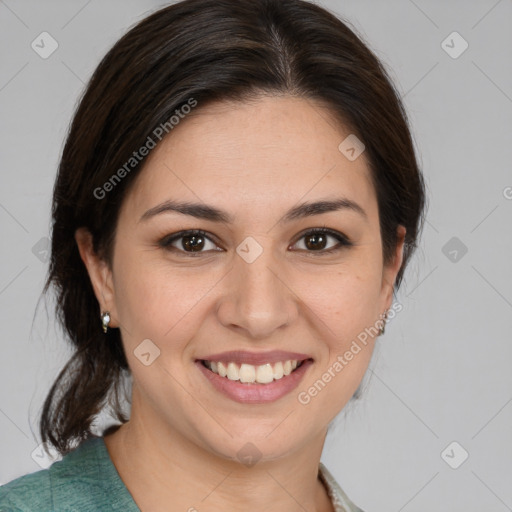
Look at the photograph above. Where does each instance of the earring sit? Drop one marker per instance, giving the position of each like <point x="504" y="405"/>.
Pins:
<point x="105" y="320"/>
<point x="383" y="326"/>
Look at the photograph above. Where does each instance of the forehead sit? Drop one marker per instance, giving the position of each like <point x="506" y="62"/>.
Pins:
<point x="254" y="158"/>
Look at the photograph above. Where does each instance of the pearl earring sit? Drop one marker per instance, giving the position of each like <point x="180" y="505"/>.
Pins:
<point x="105" y="320"/>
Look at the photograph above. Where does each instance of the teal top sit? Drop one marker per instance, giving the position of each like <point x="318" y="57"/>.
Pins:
<point x="87" y="480"/>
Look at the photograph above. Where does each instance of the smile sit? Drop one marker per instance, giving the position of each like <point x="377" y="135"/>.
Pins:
<point x="251" y="374"/>
<point x="258" y="383"/>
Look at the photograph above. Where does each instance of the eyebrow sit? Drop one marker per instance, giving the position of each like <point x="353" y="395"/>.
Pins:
<point x="207" y="212"/>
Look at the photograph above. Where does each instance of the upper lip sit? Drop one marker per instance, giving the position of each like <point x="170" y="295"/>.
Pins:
<point x="255" y="358"/>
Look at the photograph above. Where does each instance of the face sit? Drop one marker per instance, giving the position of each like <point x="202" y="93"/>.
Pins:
<point x="264" y="274"/>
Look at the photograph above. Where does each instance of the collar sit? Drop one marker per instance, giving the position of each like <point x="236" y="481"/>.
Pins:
<point x="97" y="468"/>
<point x="340" y="501"/>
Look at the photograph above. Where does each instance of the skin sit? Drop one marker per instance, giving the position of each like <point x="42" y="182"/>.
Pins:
<point x="255" y="160"/>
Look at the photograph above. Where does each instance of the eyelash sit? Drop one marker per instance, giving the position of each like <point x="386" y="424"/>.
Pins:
<point x="342" y="239"/>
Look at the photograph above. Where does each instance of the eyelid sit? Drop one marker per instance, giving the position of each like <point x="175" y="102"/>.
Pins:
<point x="167" y="240"/>
<point x="343" y="240"/>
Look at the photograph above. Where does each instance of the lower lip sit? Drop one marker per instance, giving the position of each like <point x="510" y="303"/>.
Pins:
<point x="255" y="393"/>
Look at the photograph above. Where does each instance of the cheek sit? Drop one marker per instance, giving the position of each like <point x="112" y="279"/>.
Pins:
<point x="342" y="305"/>
<point x="343" y="298"/>
<point x="160" y="301"/>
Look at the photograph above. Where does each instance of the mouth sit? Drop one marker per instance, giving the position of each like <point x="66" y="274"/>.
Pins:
<point x="253" y="374"/>
<point x="247" y="378"/>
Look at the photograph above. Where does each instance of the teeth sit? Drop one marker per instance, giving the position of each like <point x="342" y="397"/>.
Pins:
<point x="221" y="369"/>
<point x="233" y="372"/>
<point x="264" y="374"/>
<point x="278" y="371"/>
<point x="249" y="373"/>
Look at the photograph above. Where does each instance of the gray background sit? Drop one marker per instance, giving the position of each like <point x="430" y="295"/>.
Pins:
<point x="441" y="373"/>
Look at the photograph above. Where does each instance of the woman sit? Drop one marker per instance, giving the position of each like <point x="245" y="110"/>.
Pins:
<point x="237" y="200"/>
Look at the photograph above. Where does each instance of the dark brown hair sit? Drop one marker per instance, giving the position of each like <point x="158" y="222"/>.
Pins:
<point x="208" y="50"/>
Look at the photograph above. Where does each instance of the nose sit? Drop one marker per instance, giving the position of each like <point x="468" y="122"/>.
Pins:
<point x="257" y="298"/>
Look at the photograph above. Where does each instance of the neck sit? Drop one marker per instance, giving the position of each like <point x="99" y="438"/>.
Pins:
<point x="160" y="466"/>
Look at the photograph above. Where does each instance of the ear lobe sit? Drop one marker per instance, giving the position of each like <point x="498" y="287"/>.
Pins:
<point x="99" y="273"/>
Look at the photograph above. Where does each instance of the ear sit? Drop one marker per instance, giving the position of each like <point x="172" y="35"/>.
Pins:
<point x="391" y="270"/>
<point x="99" y="273"/>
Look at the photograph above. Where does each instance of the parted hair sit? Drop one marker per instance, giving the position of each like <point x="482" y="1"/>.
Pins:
<point x="209" y="50"/>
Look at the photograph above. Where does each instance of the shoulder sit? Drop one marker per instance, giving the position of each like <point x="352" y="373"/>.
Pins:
<point x="26" y="492"/>
<point x="73" y="481"/>
<point x="340" y="501"/>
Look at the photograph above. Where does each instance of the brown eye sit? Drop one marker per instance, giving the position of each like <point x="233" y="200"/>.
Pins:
<point x="192" y="243"/>
<point x="189" y="242"/>
<point x="322" y="240"/>
<point x="315" y="241"/>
